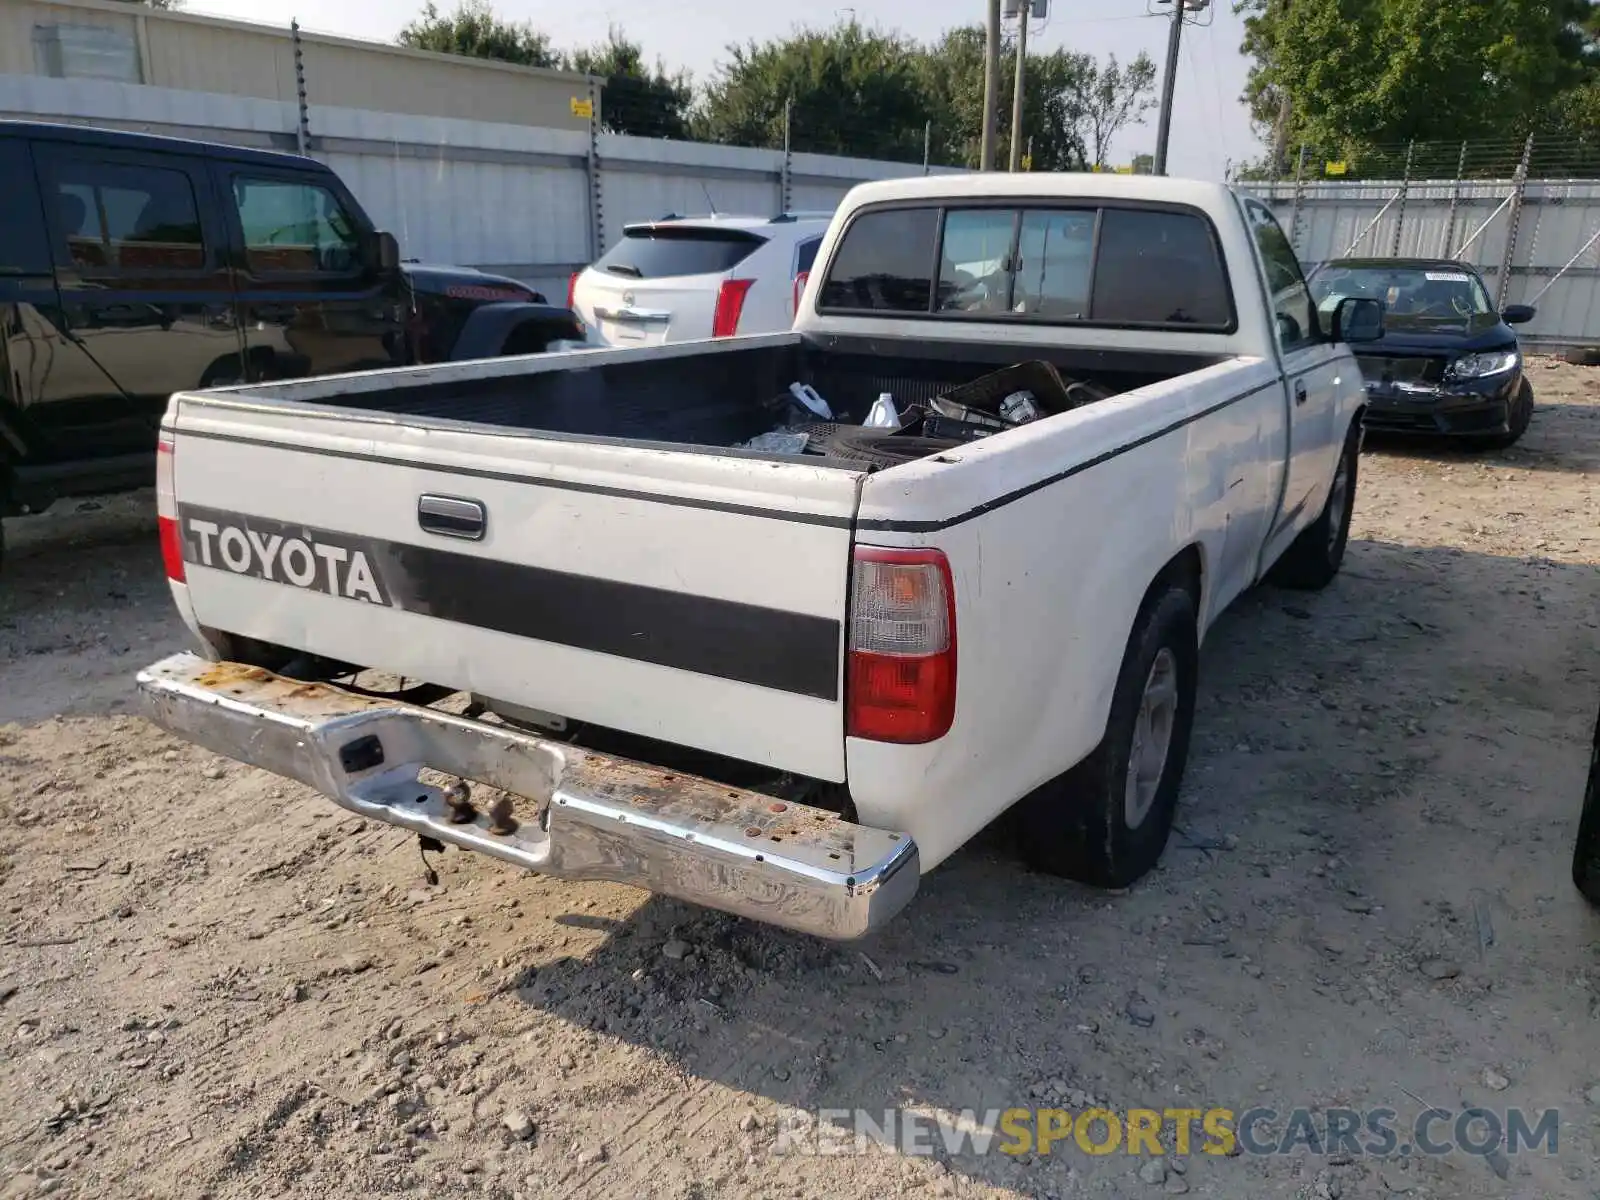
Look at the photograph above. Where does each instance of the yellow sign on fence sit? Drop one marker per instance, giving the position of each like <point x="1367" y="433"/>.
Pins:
<point x="1336" y="168"/>
<point x="583" y="109"/>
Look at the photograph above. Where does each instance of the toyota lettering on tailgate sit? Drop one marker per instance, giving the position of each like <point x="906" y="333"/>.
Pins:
<point x="298" y="555"/>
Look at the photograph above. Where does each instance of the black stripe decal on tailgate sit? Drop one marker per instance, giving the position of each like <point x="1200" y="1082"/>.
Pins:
<point x="768" y="647"/>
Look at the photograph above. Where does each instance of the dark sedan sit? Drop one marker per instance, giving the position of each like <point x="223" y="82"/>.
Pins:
<point x="1448" y="362"/>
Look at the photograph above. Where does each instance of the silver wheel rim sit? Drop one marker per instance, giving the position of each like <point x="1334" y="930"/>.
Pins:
<point x="1337" y="496"/>
<point x="1152" y="738"/>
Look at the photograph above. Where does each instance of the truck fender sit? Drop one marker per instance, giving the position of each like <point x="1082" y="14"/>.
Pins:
<point x="1188" y="569"/>
<point x="490" y="329"/>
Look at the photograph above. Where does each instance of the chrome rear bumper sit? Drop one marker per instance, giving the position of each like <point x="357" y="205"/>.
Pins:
<point x="571" y="813"/>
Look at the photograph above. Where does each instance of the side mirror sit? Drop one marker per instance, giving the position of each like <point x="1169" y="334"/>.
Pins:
<point x="1358" y="319"/>
<point x="384" y="253"/>
<point x="1518" y="314"/>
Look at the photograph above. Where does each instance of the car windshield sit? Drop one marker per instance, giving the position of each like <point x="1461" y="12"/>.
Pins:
<point x="1411" y="294"/>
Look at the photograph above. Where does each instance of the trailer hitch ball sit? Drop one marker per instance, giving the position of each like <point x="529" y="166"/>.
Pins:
<point x="458" y="797"/>
<point x="501" y="820"/>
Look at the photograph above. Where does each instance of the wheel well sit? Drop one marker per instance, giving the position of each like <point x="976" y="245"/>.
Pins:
<point x="532" y="336"/>
<point x="1186" y="568"/>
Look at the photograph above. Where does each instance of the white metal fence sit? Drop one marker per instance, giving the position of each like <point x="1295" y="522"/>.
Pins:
<point x="537" y="203"/>
<point x="524" y="201"/>
<point x="1535" y="241"/>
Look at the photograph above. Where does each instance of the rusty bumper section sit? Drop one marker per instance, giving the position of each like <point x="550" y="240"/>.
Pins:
<point x="571" y="813"/>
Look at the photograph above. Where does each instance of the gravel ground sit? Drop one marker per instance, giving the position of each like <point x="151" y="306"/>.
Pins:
<point x="216" y="984"/>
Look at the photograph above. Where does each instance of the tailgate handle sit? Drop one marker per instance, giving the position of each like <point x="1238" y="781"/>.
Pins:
<point x="453" y="516"/>
<point x="1299" y="391"/>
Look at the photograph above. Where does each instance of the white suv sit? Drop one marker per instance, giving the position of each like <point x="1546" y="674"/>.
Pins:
<point x="682" y="278"/>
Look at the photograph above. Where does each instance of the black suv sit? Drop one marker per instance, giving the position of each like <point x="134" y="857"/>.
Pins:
<point x="132" y="267"/>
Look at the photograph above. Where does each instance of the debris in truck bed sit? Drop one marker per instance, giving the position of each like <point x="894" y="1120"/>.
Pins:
<point x="988" y="393"/>
<point x="890" y="434"/>
<point x="883" y="414"/>
<point x="807" y="395"/>
<point x="778" y="441"/>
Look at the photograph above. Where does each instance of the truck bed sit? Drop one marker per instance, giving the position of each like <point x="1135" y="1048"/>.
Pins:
<point x="714" y="397"/>
<point x="572" y="534"/>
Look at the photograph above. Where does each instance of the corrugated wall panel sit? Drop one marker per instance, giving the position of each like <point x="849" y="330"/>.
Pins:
<point x="17" y="22"/>
<point x="221" y="58"/>
<point x="382" y="79"/>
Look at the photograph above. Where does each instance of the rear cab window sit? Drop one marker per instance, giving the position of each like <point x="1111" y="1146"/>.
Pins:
<point x="1076" y="263"/>
<point x="661" y="251"/>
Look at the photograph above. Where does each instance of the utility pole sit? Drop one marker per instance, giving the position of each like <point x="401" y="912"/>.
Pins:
<point x="1280" y="131"/>
<point x="991" y="86"/>
<point x="1018" y="84"/>
<point x="1169" y="85"/>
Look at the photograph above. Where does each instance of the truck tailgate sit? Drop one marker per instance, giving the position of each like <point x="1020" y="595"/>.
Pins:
<point x="691" y="596"/>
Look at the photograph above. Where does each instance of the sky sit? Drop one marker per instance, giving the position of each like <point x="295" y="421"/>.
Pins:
<point x="1210" y="126"/>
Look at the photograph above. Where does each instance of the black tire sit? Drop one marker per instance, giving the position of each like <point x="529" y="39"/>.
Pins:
<point x="1084" y="825"/>
<point x="227" y="373"/>
<point x="884" y="448"/>
<point x="1314" y="558"/>
<point x="1586" y="856"/>
<point x="1517" y="421"/>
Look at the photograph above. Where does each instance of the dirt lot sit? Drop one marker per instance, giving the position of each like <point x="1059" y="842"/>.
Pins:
<point x="216" y="984"/>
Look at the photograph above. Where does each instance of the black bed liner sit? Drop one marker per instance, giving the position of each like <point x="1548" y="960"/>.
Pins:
<point x="722" y="398"/>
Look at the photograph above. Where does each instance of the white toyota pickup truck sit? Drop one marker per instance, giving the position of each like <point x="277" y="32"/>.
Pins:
<point x="781" y="684"/>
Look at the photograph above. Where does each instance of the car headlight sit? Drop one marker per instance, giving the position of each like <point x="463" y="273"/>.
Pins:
<point x="1476" y="366"/>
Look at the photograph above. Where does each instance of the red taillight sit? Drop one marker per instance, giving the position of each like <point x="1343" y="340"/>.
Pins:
<point x="730" y="303"/>
<point x="800" y="289"/>
<point x="167" y="508"/>
<point x="572" y="289"/>
<point x="171" y="548"/>
<point x="901" y="679"/>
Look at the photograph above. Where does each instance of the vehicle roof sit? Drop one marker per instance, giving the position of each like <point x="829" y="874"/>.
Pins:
<point x="93" y="135"/>
<point x="1051" y="184"/>
<point x="1403" y="264"/>
<point x="732" y="221"/>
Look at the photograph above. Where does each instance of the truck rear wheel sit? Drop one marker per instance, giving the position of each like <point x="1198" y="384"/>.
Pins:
<point x="1106" y="821"/>
<point x="1314" y="558"/>
<point x="1586" y="857"/>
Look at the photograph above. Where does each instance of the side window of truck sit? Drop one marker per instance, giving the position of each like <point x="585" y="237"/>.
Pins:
<point x="293" y="227"/>
<point x="1296" y="316"/>
<point x="116" y="217"/>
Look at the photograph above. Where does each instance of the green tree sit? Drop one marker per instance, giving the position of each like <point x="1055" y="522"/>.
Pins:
<point x="473" y="29"/>
<point x="641" y="100"/>
<point x="1113" y="97"/>
<point x="1054" y="109"/>
<point x="854" y="91"/>
<point x="1364" y="72"/>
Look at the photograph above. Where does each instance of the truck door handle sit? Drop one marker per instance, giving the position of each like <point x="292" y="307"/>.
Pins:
<point x="453" y="516"/>
<point x="1299" y="391"/>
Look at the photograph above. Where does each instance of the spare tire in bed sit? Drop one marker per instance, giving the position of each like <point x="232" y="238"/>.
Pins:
<point x="883" y="447"/>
